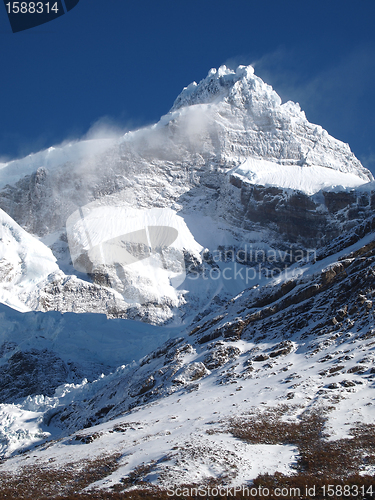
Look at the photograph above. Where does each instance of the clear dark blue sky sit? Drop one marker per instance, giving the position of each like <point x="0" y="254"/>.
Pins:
<point x="124" y="62"/>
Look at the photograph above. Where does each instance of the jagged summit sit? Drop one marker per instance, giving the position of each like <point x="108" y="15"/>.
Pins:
<point x="217" y="84"/>
<point x="241" y="89"/>
<point x="256" y="123"/>
<point x="237" y="87"/>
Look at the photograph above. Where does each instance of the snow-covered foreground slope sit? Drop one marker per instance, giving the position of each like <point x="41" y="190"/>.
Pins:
<point x="299" y="347"/>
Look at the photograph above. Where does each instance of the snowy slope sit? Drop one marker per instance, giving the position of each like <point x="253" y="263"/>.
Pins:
<point x="147" y="246"/>
<point x="24" y="263"/>
<point x="30" y="278"/>
<point x="40" y="351"/>
<point x="307" y="179"/>
<point x="261" y="355"/>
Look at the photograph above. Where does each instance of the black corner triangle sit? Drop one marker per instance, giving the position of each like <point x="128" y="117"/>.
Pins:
<point x="69" y="4"/>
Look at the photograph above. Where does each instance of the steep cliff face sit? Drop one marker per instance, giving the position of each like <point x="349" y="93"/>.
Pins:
<point x="311" y="221"/>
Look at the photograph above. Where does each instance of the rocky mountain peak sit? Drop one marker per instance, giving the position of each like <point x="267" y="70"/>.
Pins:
<point x="251" y="121"/>
<point x="238" y="87"/>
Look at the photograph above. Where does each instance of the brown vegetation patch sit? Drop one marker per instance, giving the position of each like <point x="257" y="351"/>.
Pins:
<point x="47" y="481"/>
<point x="317" y="457"/>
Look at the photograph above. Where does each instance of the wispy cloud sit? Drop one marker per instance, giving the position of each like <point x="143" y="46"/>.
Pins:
<point x="348" y="80"/>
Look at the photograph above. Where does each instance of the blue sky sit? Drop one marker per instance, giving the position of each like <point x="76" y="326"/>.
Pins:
<point x="122" y="64"/>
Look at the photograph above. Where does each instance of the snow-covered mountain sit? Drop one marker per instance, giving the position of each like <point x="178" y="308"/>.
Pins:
<point x="239" y="236"/>
<point x="228" y="151"/>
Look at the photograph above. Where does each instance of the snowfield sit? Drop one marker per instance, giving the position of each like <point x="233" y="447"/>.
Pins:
<point x="24" y="263"/>
<point x="309" y="179"/>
